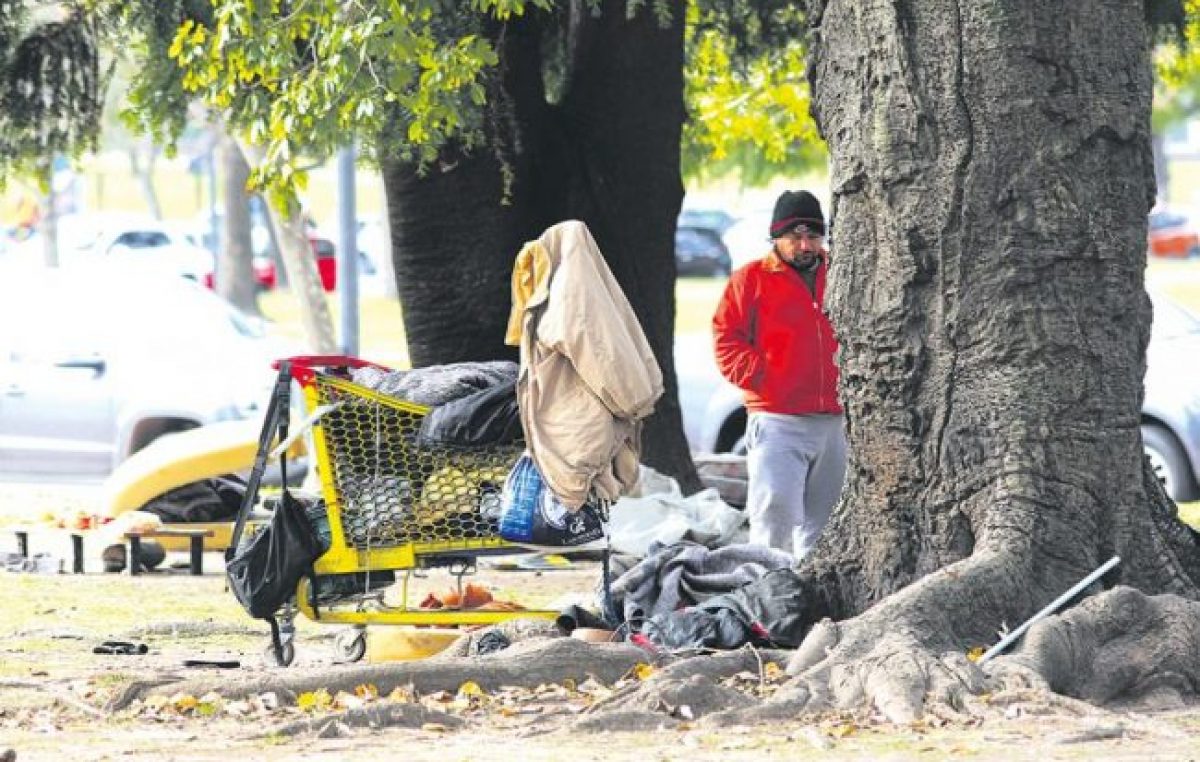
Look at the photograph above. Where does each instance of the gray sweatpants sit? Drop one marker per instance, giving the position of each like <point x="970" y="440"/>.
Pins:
<point x="796" y="465"/>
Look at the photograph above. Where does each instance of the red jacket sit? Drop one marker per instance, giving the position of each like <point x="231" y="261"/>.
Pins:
<point x="774" y="341"/>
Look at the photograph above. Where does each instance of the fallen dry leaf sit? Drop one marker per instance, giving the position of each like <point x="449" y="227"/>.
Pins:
<point x="367" y="691"/>
<point x="184" y="702"/>
<point x="314" y="701"/>
<point x="843" y="729"/>
<point x="643" y="671"/>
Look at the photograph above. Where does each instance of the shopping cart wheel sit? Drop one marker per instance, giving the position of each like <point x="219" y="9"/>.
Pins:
<point x="351" y="645"/>
<point x="281" y="658"/>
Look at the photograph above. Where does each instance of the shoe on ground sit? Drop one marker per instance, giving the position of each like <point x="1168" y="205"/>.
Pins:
<point x="114" y="558"/>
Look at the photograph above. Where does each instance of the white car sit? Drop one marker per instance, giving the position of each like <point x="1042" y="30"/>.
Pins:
<point x="142" y="242"/>
<point x="98" y="361"/>
<point x="714" y="419"/>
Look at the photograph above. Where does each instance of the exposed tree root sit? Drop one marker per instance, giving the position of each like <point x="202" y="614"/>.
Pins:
<point x="722" y="665"/>
<point x="376" y="717"/>
<point x="908" y="650"/>
<point x="688" y="689"/>
<point x="624" y="720"/>
<point x="685" y="699"/>
<point x="1116" y="647"/>
<point x="906" y="658"/>
<point x="1122" y="648"/>
<point x="526" y="664"/>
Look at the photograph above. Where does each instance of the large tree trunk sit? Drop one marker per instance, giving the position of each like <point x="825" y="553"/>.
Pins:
<point x="1162" y="169"/>
<point x="235" y="267"/>
<point x="991" y="175"/>
<point x="604" y="152"/>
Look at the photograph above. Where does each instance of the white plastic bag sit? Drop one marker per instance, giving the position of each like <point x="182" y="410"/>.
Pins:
<point x="667" y="517"/>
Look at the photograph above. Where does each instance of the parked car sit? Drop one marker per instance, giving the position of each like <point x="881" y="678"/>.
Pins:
<point x="716" y="220"/>
<point x="699" y="251"/>
<point x="326" y="254"/>
<point x="260" y="239"/>
<point x="265" y="274"/>
<point x="1171" y="234"/>
<point x="106" y="359"/>
<point x="714" y="419"/>
<point x="748" y="239"/>
<point x="1171" y="408"/>
<point x="149" y="245"/>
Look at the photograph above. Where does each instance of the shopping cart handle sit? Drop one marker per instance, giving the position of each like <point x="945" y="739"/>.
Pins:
<point x="305" y="367"/>
<point x="327" y="361"/>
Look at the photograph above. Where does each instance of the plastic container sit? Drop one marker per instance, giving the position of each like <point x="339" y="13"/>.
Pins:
<point x="408" y="643"/>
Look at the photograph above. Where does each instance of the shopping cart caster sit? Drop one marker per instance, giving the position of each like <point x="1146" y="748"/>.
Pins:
<point x="283" y="657"/>
<point x="351" y="645"/>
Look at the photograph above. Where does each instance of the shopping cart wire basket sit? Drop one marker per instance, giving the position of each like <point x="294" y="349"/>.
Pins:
<point x="394" y="507"/>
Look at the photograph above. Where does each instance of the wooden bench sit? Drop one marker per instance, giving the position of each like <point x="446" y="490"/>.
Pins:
<point x="196" y="546"/>
<point x="22" y="535"/>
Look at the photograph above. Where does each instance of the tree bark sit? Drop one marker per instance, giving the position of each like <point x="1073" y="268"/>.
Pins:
<point x="991" y="175"/>
<point x="1162" y="169"/>
<point x="145" y="175"/>
<point x="301" y="266"/>
<point x="604" y="152"/>
<point x="530" y="663"/>
<point x="235" y="268"/>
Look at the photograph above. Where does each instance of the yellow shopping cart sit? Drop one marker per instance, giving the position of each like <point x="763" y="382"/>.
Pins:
<point x="394" y="508"/>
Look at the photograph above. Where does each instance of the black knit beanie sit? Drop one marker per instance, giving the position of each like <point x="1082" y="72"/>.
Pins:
<point x="794" y="208"/>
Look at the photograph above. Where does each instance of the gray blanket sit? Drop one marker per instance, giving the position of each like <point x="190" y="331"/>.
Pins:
<point x="437" y="384"/>
<point x="683" y="574"/>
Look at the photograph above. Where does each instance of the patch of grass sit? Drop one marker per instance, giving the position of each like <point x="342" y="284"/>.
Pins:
<point x="95" y="605"/>
<point x="695" y="301"/>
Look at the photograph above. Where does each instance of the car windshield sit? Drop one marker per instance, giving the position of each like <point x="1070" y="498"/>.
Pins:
<point x="142" y="239"/>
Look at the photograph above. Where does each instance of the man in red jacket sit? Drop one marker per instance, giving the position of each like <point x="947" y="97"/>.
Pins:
<point x="775" y="343"/>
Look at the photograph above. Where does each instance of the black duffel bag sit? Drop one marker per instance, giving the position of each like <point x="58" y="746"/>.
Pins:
<point x="264" y="572"/>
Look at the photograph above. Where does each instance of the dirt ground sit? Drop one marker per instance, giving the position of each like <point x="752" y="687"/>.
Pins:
<point x="54" y="689"/>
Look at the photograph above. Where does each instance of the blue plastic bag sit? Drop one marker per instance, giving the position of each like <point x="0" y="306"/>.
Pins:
<point x="532" y="516"/>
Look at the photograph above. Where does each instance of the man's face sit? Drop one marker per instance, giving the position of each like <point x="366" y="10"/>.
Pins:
<point x="800" y="246"/>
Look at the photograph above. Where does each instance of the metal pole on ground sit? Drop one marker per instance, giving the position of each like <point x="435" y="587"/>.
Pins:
<point x="997" y="649"/>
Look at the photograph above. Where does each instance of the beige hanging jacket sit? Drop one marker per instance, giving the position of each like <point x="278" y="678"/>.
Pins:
<point x="588" y="376"/>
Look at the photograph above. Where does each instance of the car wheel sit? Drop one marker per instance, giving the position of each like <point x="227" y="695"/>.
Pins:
<point x="1168" y="461"/>
<point x="732" y="438"/>
<point x="739" y="447"/>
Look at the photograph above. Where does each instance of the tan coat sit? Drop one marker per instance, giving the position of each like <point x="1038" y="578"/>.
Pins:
<point x="588" y="376"/>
